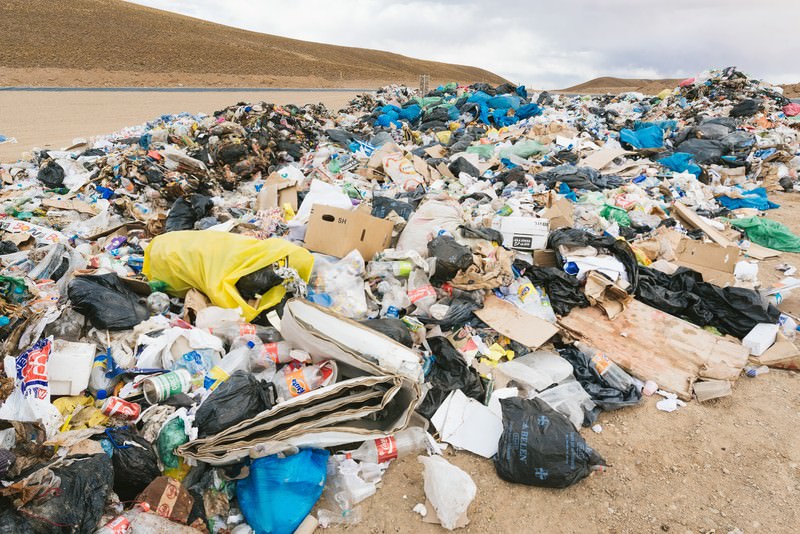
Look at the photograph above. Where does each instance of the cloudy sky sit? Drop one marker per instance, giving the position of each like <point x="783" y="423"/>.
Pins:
<point x="541" y="43"/>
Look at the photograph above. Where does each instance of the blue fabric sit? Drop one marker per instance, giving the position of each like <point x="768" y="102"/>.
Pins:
<point x="681" y="162"/>
<point x="649" y="137"/>
<point x="755" y="198"/>
<point x="501" y="119"/>
<point x="280" y="492"/>
<point x="527" y="111"/>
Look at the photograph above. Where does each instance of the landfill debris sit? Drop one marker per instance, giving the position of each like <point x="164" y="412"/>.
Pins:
<point x="239" y="321"/>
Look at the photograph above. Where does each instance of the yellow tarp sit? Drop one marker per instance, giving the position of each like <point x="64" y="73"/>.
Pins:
<point x="213" y="262"/>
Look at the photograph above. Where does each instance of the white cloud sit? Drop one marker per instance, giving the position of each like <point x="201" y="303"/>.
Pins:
<point x="547" y="44"/>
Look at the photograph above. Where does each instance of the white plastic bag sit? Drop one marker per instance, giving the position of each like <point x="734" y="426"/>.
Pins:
<point x="449" y="489"/>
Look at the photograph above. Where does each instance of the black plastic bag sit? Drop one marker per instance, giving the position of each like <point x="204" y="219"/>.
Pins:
<point x="745" y="108"/>
<point x="458" y="314"/>
<point x="580" y="238"/>
<point x="383" y="206"/>
<point x="391" y="328"/>
<point x="733" y="310"/>
<point x="451" y="257"/>
<point x="106" y="301"/>
<point x="51" y="174"/>
<point x="449" y="372"/>
<point x="8" y="247"/>
<point x="704" y="150"/>
<point x="240" y="397"/>
<point x="185" y="212"/>
<point x="604" y="395"/>
<point x="258" y="282"/>
<point x="563" y="290"/>
<point x="462" y="165"/>
<point x="78" y="504"/>
<point x="472" y="232"/>
<point x="134" y="460"/>
<point x="540" y="447"/>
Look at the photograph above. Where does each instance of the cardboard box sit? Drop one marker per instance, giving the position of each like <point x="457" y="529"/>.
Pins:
<point x="276" y="192"/>
<point x="337" y="232"/>
<point x="525" y="233"/>
<point x="559" y="211"/>
<point x="715" y="262"/>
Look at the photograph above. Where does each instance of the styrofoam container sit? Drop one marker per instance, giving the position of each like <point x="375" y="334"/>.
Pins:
<point x="760" y="338"/>
<point x="69" y="367"/>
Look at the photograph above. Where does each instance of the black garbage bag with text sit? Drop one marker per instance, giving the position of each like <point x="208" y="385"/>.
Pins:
<point x="540" y="447"/>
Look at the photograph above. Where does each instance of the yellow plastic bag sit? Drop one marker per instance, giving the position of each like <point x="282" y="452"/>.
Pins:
<point x="213" y="262"/>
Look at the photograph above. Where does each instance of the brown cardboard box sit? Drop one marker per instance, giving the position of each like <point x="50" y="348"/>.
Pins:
<point x="276" y="192"/>
<point x="337" y="232"/>
<point x="559" y="211"/>
<point x="715" y="262"/>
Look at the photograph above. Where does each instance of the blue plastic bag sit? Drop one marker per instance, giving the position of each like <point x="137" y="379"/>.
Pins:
<point x="280" y="492"/>
<point x="649" y="137"/>
<point x="755" y="198"/>
<point x="527" y="111"/>
<point x="681" y="162"/>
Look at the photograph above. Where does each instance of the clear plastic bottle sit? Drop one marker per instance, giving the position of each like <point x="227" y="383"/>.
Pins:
<point x="245" y="351"/>
<point x="101" y="386"/>
<point x="610" y="371"/>
<point x="294" y="378"/>
<point x="394" y="298"/>
<point x="389" y="268"/>
<point x="230" y="331"/>
<point x="404" y="443"/>
<point x="277" y="351"/>
<point x="420" y="291"/>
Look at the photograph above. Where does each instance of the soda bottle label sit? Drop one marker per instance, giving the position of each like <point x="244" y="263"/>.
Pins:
<point x="271" y="351"/>
<point x="386" y="448"/>
<point x="296" y="382"/>
<point x="246" y="329"/>
<point x="392" y="311"/>
<point x="420" y="293"/>
<point x="119" y="525"/>
<point x="601" y="363"/>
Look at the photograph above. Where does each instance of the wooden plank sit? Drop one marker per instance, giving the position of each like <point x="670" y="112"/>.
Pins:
<point x="653" y="345"/>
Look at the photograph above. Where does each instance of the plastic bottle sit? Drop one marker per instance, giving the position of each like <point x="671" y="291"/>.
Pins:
<point x="230" y="331"/>
<point x="610" y="371"/>
<point x="122" y="523"/>
<point x="420" y="291"/>
<point x="387" y="268"/>
<point x="394" y="299"/>
<point x="404" y="443"/>
<point x="277" y="351"/>
<point x="244" y="352"/>
<point x="294" y="378"/>
<point x="101" y="386"/>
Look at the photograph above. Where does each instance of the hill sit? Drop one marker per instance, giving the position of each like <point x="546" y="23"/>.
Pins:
<point x="607" y="84"/>
<point x="95" y="43"/>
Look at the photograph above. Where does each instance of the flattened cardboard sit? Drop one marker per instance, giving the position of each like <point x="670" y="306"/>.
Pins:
<point x="544" y="258"/>
<point x="715" y="262"/>
<point x="276" y="192"/>
<point x="559" y="211"/>
<point x="516" y="324"/>
<point x="600" y="159"/>
<point x="338" y="232"/>
<point x="783" y="354"/>
<point x="436" y="151"/>
<point x="69" y="204"/>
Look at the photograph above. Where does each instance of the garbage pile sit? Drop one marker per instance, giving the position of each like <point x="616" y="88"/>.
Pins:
<point x="234" y="323"/>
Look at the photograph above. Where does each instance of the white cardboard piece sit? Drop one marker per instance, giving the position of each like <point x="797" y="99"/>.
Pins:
<point x="467" y="424"/>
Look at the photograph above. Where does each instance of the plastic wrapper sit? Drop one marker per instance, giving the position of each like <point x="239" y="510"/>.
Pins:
<point x="107" y="302"/>
<point x="240" y="397"/>
<point x="449" y="489"/>
<point x="343" y="283"/>
<point x="540" y="447"/>
<point x="383" y="206"/>
<point x="604" y="395"/>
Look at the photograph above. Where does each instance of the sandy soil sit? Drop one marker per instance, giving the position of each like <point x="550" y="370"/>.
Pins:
<point x="54" y="119"/>
<point x="731" y="463"/>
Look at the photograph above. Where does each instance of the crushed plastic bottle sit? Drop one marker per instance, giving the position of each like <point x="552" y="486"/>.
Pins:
<point x="605" y="367"/>
<point x="420" y="291"/>
<point x="294" y="378"/>
<point x="245" y="351"/>
<point x="404" y="443"/>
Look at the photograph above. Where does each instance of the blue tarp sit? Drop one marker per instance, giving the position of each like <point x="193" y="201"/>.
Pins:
<point x="648" y="137"/>
<point x="755" y="198"/>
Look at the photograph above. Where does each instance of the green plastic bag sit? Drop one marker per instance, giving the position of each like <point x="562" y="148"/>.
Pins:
<point x="768" y="233"/>
<point x="524" y="149"/>
<point x="483" y="151"/>
<point x="613" y="213"/>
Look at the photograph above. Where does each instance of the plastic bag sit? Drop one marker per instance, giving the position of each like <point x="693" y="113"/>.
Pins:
<point x="80" y="498"/>
<point x="213" y="262"/>
<point x="449" y="489"/>
<point x="187" y="211"/>
<point x="448" y="372"/>
<point x="383" y="206"/>
<point x="602" y="393"/>
<point x="240" y="397"/>
<point x="768" y="233"/>
<point x="451" y="257"/>
<point x="391" y="328"/>
<point x="733" y="310"/>
<point x="51" y="174"/>
<point x="343" y="282"/>
<point x="540" y="447"/>
<point x="279" y="493"/>
<point x="258" y="282"/>
<point x="107" y="302"/>
<point x="135" y="462"/>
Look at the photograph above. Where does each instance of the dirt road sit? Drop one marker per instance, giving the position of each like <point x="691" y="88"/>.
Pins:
<point x="48" y="119"/>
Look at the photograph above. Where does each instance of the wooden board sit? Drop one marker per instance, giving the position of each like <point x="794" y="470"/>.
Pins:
<point x="653" y="345"/>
